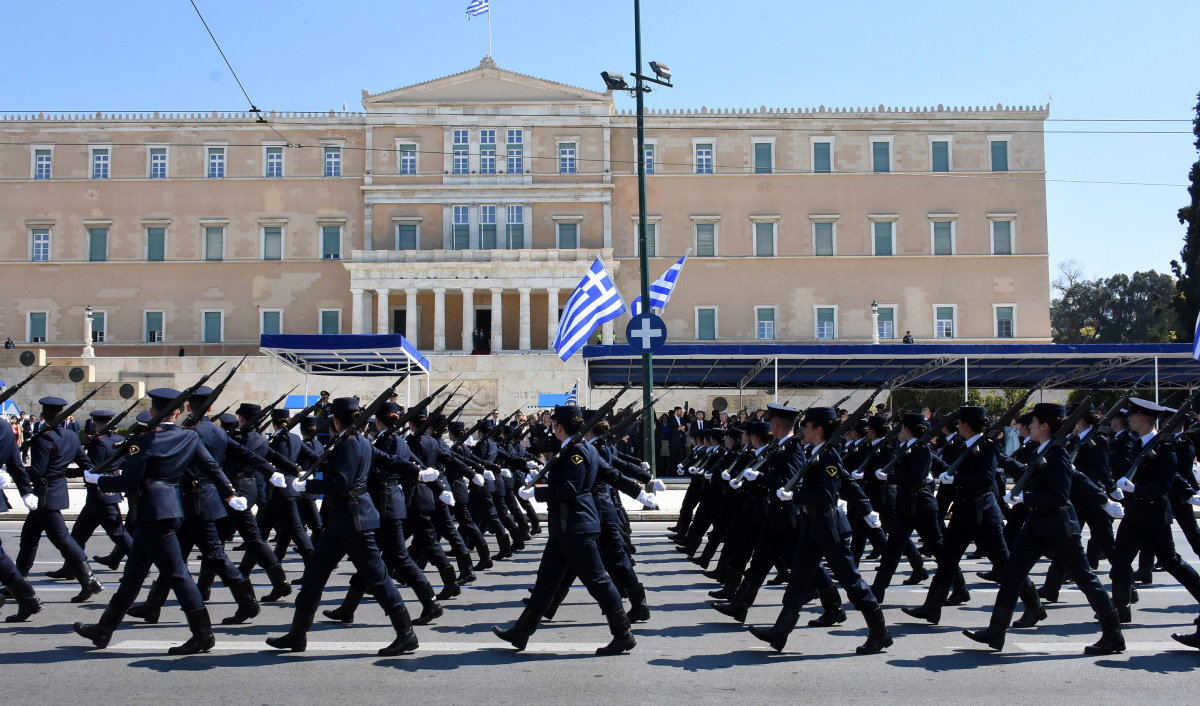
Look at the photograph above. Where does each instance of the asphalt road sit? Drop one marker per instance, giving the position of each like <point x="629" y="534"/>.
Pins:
<point x="686" y="652"/>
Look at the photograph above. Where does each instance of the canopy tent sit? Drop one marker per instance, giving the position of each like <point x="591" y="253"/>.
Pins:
<point x="357" y="355"/>
<point x="921" y="366"/>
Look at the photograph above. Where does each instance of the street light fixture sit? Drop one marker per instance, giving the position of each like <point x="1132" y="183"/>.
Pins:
<point x="88" y="351"/>
<point x="614" y="81"/>
<point x="874" y="321"/>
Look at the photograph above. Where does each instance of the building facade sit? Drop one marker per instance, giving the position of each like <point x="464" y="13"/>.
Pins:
<point x="462" y="211"/>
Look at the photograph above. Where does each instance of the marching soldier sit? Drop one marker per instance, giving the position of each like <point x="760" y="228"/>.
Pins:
<point x="27" y="600"/>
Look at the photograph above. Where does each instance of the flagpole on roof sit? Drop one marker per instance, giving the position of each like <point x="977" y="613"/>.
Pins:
<point x="489" y="14"/>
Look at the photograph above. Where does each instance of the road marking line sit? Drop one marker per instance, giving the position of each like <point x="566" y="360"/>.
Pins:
<point x="1073" y="647"/>
<point x="261" y="646"/>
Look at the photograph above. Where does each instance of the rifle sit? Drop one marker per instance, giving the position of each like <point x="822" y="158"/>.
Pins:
<point x="1063" y="431"/>
<point x="1147" y="451"/>
<point x="60" y="418"/>
<point x="500" y="425"/>
<point x="1010" y="414"/>
<point x="425" y="425"/>
<point x="364" y="415"/>
<point x="453" y="415"/>
<point x="112" y="423"/>
<point x="846" y="425"/>
<point x="253" y="424"/>
<point x="838" y="404"/>
<point x="875" y="448"/>
<point x="217" y="416"/>
<point x="1115" y="408"/>
<point x="925" y="438"/>
<point x="176" y="404"/>
<point x="198" y="412"/>
<point x="478" y="425"/>
<point x="9" y="392"/>
<point x="622" y="423"/>
<point x="592" y="421"/>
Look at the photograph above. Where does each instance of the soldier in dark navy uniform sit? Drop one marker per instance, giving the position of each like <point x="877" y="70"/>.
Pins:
<point x="284" y="501"/>
<point x="158" y="461"/>
<point x="352" y="521"/>
<point x="14" y="475"/>
<point x="310" y="513"/>
<point x="574" y="528"/>
<point x="51" y="451"/>
<point x="430" y="453"/>
<point x="99" y="509"/>
<point x="823" y="532"/>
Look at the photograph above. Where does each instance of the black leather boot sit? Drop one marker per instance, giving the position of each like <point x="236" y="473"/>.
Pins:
<point x="1035" y="612"/>
<point x="431" y="610"/>
<point x="960" y="594"/>
<point x="101" y="632"/>
<point x="740" y="604"/>
<point x="149" y="611"/>
<point x="202" y="639"/>
<point x="931" y="610"/>
<point x="88" y="585"/>
<point x="466" y="574"/>
<point x="485" y="556"/>
<point x="560" y="595"/>
<point x="406" y="638"/>
<point x="110" y="562"/>
<point x="992" y="636"/>
<point x="1121" y="595"/>
<point x="618" y="625"/>
<point x="831" y="602"/>
<point x="518" y="635"/>
<point x="1111" y="640"/>
<point x="918" y="575"/>
<point x="639" y="612"/>
<point x="345" y="612"/>
<point x="450" y="587"/>
<point x="243" y="593"/>
<point x="28" y="603"/>
<point x="296" y="640"/>
<point x="204" y="582"/>
<point x="505" y="544"/>
<point x="280" y="587"/>
<point x="61" y="574"/>
<point x="1192" y="640"/>
<point x="878" y="637"/>
<point x="777" y="635"/>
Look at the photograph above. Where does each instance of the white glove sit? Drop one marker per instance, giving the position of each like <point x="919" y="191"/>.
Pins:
<point x="1117" y="494"/>
<point x="707" y="476"/>
<point x="531" y="464"/>
<point x="238" y="503"/>
<point x="873" y="520"/>
<point x="724" y="475"/>
<point x="278" y="480"/>
<point x="881" y="475"/>
<point x="946" y="479"/>
<point x="645" y="466"/>
<point x="476" y="479"/>
<point x="528" y="478"/>
<point x="427" y="475"/>
<point x="299" y="485"/>
<point x="6" y="480"/>
<point x="693" y="470"/>
<point x="489" y="475"/>
<point x="657" y="486"/>
<point x="736" y="483"/>
<point x="751" y="475"/>
<point x="31" y="501"/>
<point x="506" y="473"/>
<point x="526" y="493"/>
<point x="857" y="475"/>
<point x="447" y="497"/>
<point x="1194" y="500"/>
<point x="1015" y="499"/>
<point x="1125" y="484"/>
<point x="1114" y="509"/>
<point x="679" y="469"/>
<point x="784" y="495"/>
<point x="88" y="477"/>
<point x="842" y="505"/>
<point x="647" y="499"/>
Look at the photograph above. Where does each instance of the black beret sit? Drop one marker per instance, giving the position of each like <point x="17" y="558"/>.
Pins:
<point x="249" y="409"/>
<point x="280" y="414"/>
<point x="345" y="404"/>
<point x="971" y="413"/>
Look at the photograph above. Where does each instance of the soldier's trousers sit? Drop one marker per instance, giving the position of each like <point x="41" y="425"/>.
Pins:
<point x="443" y="522"/>
<point x="95" y="515"/>
<point x="364" y="554"/>
<point x="1147" y="527"/>
<point x="425" y="545"/>
<point x="899" y="535"/>
<point x="1067" y="551"/>
<point x="49" y="522"/>
<point x="156" y="544"/>
<point x="390" y="539"/>
<point x="257" y="549"/>
<point x="203" y="535"/>
<point x="288" y="526"/>
<point x="578" y="553"/>
<point x="808" y="574"/>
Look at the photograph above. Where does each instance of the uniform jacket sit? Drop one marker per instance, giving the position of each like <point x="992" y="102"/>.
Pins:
<point x="99" y="449"/>
<point x="49" y="456"/>
<point x="348" y="506"/>
<point x="570" y="478"/>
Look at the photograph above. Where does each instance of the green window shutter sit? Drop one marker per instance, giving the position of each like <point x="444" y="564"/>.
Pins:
<point x="706" y="324"/>
<point x="154" y="327"/>
<point x="213" y="243"/>
<point x="212" y="327"/>
<point x="1004" y="322"/>
<point x="568" y="236"/>
<point x="273" y="243"/>
<point x="824" y="315"/>
<point x="651" y="234"/>
<point x="764" y="239"/>
<point x="941" y="156"/>
<point x="762" y="158"/>
<point x="156" y="244"/>
<point x="823" y="236"/>
<point x="331" y="242"/>
<point x="822" y="158"/>
<point x="881" y="157"/>
<point x="97" y="244"/>
<point x="515" y="236"/>
<point x="487" y="236"/>
<point x="37" y="327"/>
<point x="271" y="322"/>
<point x="943" y="239"/>
<point x="331" y="322"/>
<point x="706" y="239"/>
<point x="1002" y="237"/>
<point x="99" y="326"/>
<point x="883" y="237"/>
<point x="406" y="236"/>
<point x="887" y="315"/>
<point x="999" y="156"/>
<point x="826" y="327"/>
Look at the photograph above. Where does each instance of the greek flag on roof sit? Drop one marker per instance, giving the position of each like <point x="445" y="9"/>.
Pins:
<point x="477" y="8"/>
<point x="595" y="301"/>
<point x="661" y="288"/>
<point x="573" y="395"/>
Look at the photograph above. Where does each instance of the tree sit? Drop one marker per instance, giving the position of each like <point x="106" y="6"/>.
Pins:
<point x="1187" y="274"/>
<point x="1120" y="309"/>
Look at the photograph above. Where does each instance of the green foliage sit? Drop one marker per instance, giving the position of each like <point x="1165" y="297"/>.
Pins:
<point x="1119" y="309"/>
<point x="1187" y="268"/>
<point x="942" y="402"/>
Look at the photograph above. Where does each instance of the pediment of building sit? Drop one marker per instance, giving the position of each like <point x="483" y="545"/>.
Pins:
<point x="484" y="84"/>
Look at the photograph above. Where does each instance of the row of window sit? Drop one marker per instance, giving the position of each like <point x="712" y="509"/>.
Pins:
<point x="824" y="234"/>
<point x="825" y="322"/>
<point x="212" y="324"/>
<point x="212" y="243"/>
<point x="158" y="161"/>
<point x="822" y="157"/>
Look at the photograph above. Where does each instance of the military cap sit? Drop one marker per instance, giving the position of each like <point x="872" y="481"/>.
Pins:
<point x="200" y="394"/>
<point x="389" y="408"/>
<point x="458" y="427"/>
<point x="971" y="413"/>
<point x="782" y="411"/>
<point x="816" y="415"/>
<point x="878" y="423"/>
<point x="717" y="434"/>
<point x="1025" y="419"/>
<point x="759" y="429"/>
<point x="145" y="417"/>
<point x="249" y="410"/>
<point x="912" y="420"/>
<point x="1146" y="407"/>
<point x="162" y="394"/>
<point x="345" y="404"/>
<point x="52" y="402"/>
<point x="280" y="414"/>
<point x="102" y="414"/>
<point x="1048" y="410"/>
<point x="227" y="418"/>
<point x="565" y="412"/>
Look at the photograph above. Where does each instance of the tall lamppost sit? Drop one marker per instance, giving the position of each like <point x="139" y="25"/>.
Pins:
<point x="616" y="82"/>
<point x="875" y="321"/>
<point x="88" y="351"/>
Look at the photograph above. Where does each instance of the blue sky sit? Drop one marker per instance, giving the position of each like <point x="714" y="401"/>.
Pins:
<point x="1099" y="60"/>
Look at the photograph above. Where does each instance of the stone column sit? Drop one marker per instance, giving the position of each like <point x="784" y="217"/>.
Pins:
<point x="382" y="311"/>
<point x="607" y="330"/>
<point x="410" y="316"/>
<point x="523" y="341"/>
<point x="439" y="318"/>
<point x="357" y="304"/>
<point x="551" y="316"/>
<point x="468" y="340"/>
<point x="497" y="321"/>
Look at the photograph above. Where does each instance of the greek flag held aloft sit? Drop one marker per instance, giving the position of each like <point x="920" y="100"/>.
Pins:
<point x="661" y="288"/>
<point x="595" y="301"/>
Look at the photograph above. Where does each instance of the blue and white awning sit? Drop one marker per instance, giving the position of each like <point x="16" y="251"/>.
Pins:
<point x="347" y="355"/>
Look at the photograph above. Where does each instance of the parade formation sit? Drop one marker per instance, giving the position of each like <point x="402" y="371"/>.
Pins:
<point x="800" y="492"/>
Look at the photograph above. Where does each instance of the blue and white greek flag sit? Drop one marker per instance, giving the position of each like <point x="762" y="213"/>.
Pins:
<point x="573" y="395"/>
<point x="595" y="301"/>
<point x="1196" y="340"/>
<point x="477" y="8"/>
<point x="660" y="290"/>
